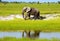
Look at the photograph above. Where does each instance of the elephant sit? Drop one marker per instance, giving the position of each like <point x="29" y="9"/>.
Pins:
<point x="29" y="33"/>
<point x="30" y="11"/>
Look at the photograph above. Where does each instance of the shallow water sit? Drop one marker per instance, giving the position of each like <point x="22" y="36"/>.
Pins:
<point x="50" y="35"/>
<point x="12" y="17"/>
<point x="45" y="35"/>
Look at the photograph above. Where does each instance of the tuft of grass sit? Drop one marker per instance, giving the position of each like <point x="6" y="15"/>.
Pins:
<point x="26" y="39"/>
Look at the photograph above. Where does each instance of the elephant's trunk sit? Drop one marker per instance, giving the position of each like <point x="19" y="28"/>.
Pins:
<point x="23" y="14"/>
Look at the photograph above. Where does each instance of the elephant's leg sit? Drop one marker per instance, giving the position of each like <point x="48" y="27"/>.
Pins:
<point x="38" y="17"/>
<point x="36" y="33"/>
<point x="35" y="16"/>
<point x="27" y="34"/>
<point x="38" y="14"/>
<point x="27" y="15"/>
<point x="23" y="34"/>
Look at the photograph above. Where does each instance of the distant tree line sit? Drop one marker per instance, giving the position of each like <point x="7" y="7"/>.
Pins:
<point x="59" y="2"/>
<point x="28" y="2"/>
<point x="0" y="0"/>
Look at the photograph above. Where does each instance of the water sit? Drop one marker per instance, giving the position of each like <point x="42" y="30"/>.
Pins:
<point x="50" y="35"/>
<point x="45" y="35"/>
<point x="11" y="34"/>
<point x="12" y="17"/>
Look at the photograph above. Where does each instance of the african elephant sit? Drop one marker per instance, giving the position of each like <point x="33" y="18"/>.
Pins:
<point x="31" y="34"/>
<point x="30" y="11"/>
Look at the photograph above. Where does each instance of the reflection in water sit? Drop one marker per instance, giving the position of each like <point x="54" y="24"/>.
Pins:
<point x="42" y="34"/>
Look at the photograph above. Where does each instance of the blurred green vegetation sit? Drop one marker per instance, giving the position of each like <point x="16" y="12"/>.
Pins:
<point x="16" y="8"/>
<point x="20" y="24"/>
<point x="26" y="39"/>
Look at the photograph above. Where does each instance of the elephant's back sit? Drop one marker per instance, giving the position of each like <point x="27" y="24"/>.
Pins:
<point x="34" y="10"/>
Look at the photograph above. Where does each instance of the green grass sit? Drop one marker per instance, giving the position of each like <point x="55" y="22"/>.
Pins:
<point x="19" y="24"/>
<point x="27" y="39"/>
<point x="14" y="8"/>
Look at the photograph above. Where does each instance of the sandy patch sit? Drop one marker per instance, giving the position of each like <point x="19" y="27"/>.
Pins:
<point x="12" y="17"/>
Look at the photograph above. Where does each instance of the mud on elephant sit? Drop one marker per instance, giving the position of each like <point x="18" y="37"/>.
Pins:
<point x="30" y="11"/>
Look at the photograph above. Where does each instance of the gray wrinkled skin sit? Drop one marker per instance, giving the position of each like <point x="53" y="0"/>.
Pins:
<point x="30" y="11"/>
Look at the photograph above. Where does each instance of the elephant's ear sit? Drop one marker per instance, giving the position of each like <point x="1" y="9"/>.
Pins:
<point x="28" y="9"/>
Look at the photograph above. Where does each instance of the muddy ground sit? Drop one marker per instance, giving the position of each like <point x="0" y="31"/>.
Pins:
<point x="43" y="17"/>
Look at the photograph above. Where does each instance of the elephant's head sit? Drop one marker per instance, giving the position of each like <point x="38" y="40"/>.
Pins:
<point x="25" y="9"/>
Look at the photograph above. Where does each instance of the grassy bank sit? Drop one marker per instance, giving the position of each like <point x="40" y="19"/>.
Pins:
<point x="26" y="39"/>
<point x="19" y="24"/>
<point x="14" y="8"/>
